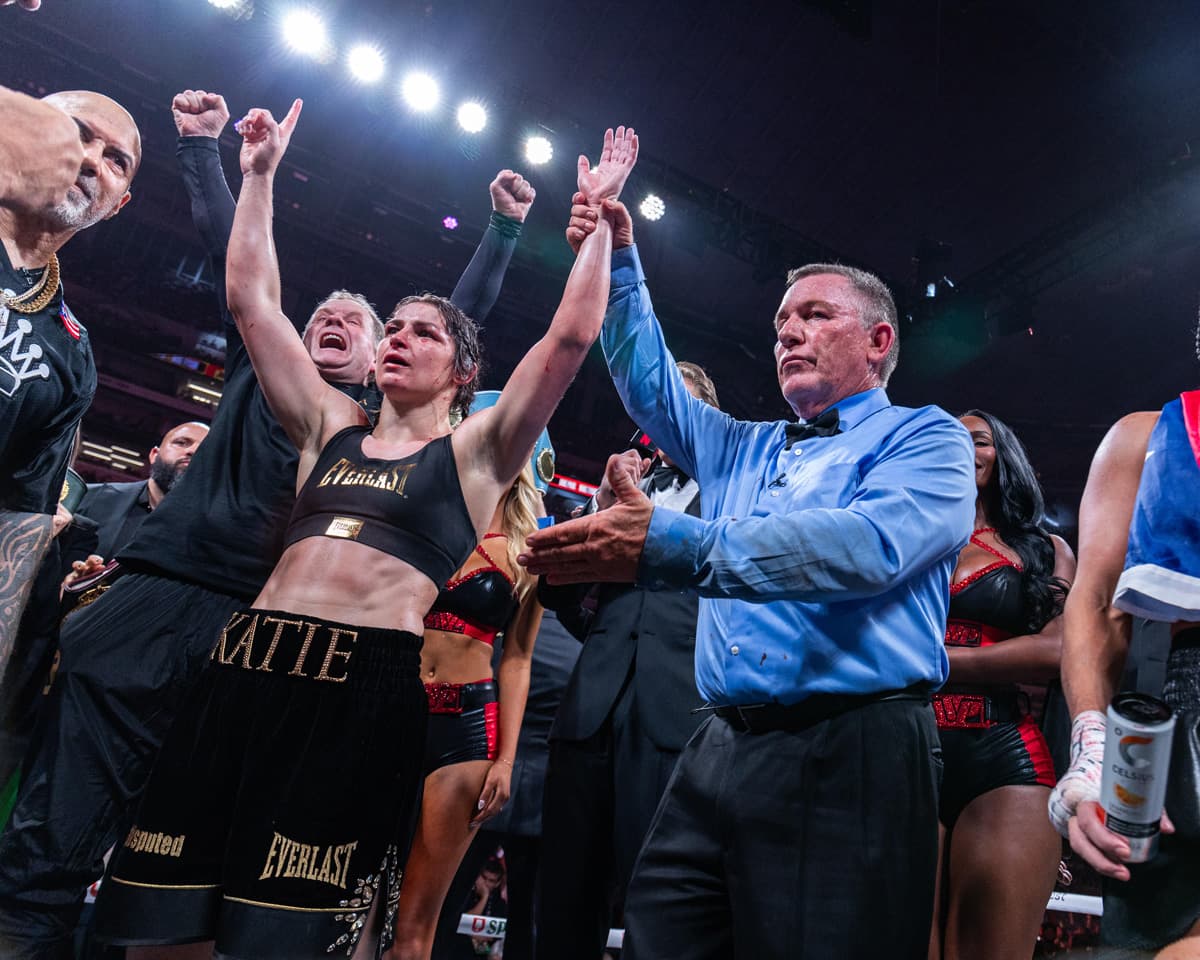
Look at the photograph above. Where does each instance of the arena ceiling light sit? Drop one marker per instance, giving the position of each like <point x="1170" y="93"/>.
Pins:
<point x="366" y="63"/>
<point x="420" y="91"/>
<point x="472" y="117"/>
<point x="538" y="150"/>
<point x="304" y="31"/>
<point x="238" y="9"/>
<point x="652" y="208"/>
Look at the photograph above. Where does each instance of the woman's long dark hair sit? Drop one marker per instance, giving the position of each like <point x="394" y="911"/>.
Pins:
<point x="1013" y="502"/>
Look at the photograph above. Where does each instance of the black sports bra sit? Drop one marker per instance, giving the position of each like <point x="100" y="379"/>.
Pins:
<point x="478" y="604"/>
<point x="411" y="508"/>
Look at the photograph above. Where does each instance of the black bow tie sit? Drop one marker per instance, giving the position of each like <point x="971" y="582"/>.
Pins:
<point x="825" y="425"/>
<point x="663" y="477"/>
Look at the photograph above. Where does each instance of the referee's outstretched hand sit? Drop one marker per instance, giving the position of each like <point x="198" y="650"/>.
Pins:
<point x="607" y="546"/>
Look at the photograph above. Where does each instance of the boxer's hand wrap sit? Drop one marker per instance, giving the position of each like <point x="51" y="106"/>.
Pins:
<point x="1082" y="779"/>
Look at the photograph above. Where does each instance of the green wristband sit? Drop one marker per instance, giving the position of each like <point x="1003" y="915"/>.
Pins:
<point x="505" y="226"/>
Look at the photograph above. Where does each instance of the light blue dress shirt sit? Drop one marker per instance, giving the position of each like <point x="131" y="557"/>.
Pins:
<point x="821" y="569"/>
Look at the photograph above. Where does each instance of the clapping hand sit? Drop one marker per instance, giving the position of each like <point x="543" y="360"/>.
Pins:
<point x="616" y="161"/>
<point x="199" y="113"/>
<point x="264" y="141"/>
<point x="512" y="195"/>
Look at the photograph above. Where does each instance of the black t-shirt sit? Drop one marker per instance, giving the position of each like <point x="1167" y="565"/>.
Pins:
<point x="47" y="380"/>
<point x="223" y="524"/>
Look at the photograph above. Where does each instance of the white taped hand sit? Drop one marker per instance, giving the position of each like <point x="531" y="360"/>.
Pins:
<point x="1082" y="780"/>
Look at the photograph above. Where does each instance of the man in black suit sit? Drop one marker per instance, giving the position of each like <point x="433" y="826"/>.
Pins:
<point x="120" y="508"/>
<point x="106" y="519"/>
<point x="626" y="714"/>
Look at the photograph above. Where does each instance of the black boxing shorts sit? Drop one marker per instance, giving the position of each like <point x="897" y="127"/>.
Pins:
<point x="276" y="814"/>
<point x="463" y="720"/>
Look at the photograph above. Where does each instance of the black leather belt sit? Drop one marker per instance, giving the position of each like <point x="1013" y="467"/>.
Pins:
<point x="765" y="717"/>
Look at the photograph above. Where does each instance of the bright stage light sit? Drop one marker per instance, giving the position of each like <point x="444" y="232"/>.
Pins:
<point x="450" y="222"/>
<point x="538" y="150"/>
<point x="421" y="92"/>
<point x="366" y="63"/>
<point x="304" y="31"/>
<point x="472" y="117"/>
<point x="652" y="208"/>
<point x="224" y="4"/>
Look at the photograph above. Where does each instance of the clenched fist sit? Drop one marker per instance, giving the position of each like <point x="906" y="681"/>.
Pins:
<point x="512" y="195"/>
<point x="199" y="113"/>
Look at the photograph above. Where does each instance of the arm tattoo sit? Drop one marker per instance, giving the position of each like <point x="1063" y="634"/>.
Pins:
<point x="23" y="541"/>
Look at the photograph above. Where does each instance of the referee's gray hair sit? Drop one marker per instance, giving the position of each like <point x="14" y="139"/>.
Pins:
<point x="878" y="306"/>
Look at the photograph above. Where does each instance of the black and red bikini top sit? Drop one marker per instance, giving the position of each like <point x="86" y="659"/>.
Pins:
<point x="987" y="606"/>
<point x="411" y="508"/>
<point x="478" y="604"/>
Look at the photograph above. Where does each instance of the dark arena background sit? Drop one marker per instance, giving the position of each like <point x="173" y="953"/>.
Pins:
<point x="1030" y="164"/>
<point x="1024" y="175"/>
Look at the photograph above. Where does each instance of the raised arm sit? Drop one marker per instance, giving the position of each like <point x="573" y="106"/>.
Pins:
<point x="289" y="379"/>
<point x="498" y="444"/>
<point x="694" y="434"/>
<point x="200" y="117"/>
<point x="479" y="286"/>
<point x="40" y="152"/>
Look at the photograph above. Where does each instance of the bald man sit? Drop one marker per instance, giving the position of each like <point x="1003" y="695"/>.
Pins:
<point x="120" y="508"/>
<point x="66" y="163"/>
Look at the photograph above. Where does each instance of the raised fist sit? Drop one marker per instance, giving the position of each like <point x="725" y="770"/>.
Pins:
<point x="512" y="195"/>
<point x="199" y="113"/>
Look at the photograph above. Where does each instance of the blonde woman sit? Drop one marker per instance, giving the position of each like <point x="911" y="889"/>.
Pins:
<point x="473" y="730"/>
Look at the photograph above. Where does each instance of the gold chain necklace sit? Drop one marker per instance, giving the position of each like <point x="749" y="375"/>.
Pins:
<point x="35" y="299"/>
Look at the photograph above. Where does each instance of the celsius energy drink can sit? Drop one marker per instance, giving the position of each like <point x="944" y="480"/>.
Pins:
<point x="1137" y="753"/>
